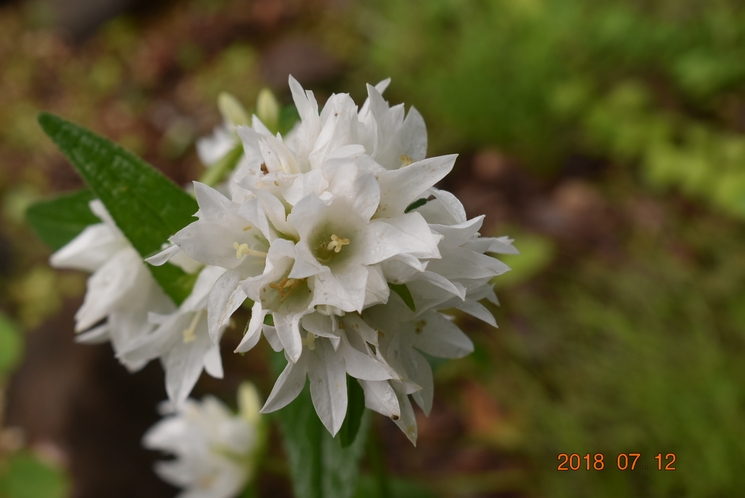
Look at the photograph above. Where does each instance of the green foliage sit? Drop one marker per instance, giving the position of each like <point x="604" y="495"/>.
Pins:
<point x="644" y="360"/>
<point x="11" y="345"/>
<point x="25" y="476"/>
<point x="536" y="253"/>
<point x="146" y="206"/>
<point x="319" y="465"/>
<point x="656" y="82"/>
<point x="59" y="220"/>
<point x="399" y="488"/>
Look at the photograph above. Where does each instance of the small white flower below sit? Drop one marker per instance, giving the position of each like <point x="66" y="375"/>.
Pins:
<point x="214" y="449"/>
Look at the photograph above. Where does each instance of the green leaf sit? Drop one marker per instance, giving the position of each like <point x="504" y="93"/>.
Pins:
<point x="416" y="204"/>
<point x="146" y="206"/>
<point x="355" y="410"/>
<point x="319" y="466"/>
<point x="28" y="477"/>
<point x="404" y="293"/>
<point x="400" y="488"/>
<point x="59" y="220"/>
<point x="11" y="345"/>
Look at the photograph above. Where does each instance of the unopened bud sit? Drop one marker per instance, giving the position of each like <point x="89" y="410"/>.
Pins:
<point x="232" y="111"/>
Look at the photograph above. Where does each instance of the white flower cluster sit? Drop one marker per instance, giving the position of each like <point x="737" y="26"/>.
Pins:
<point x="213" y="448"/>
<point x="338" y="236"/>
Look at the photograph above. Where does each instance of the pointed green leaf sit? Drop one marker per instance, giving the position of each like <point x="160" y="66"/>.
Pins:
<point x="319" y="466"/>
<point x="404" y="293"/>
<point x="416" y="204"/>
<point x="59" y="220"/>
<point x="146" y="206"/>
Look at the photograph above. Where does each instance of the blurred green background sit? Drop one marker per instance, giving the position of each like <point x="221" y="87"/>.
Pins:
<point x="605" y="136"/>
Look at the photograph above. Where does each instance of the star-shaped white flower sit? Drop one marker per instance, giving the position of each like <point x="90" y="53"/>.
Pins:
<point x="121" y="289"/>
<point x="213" y="448"/>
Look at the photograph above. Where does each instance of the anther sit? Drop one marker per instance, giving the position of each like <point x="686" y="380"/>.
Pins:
<point x="285" y="283"/>
<point x="310" y="341"/>
<point x="243" y="250"/>
<point x="336" y="243"/>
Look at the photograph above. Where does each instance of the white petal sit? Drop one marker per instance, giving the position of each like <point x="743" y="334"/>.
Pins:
<point x="440" y="337"/>
<point x="407" y="422"/>
<point x="209" y="243"/>
<point x="503" y="245"/>
<point x="96" y="335"/>
<point x="413" y="135"/>
<point x="360" y="365"/>
<point x="288" y="386"/>
<point x="213" y="362"/>
<point x="253" y="331"/>
<point x="109" y="286"/>
<point x="212" y="204"/>
<point x="376" y="290"/>
<point x="359" y="189"/>
<point x="199" y="296"/>
<point x="225" y="297"/>
<point x="289" y="334"/>
<point x="322" y="326"/>
<point x="478" y="310"/>
<point x="445" y="209"/>
<point x="382" y="241"/>
<point x="90" y="249"/>
<point x="162" y="257"/>
<point x="183" y="365"/>
<point x="399" y="188"/>
<point x="328" y="385"/>
<point x="420" y="372"/>
<point x="380" y="397"/>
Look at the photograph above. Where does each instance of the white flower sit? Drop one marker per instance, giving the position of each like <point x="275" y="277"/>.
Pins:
<point x="332" y="348"/>
<point x="182" y="342"/>
<point x="121" y="289"/>
<point x="214" y="449"/>
<point x="320" y="226"/>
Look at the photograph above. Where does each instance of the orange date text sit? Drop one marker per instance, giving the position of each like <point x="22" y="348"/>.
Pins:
<point x="622" y="461"/>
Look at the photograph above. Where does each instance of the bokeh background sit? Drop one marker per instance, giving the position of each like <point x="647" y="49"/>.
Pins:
<point x="605" y="136"/>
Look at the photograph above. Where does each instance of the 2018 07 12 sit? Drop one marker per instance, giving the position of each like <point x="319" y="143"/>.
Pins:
<point x="623" y="461"/>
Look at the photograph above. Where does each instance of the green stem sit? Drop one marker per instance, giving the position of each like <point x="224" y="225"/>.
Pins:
<point x="377" y="460"/>
<point x="217" y="171"/>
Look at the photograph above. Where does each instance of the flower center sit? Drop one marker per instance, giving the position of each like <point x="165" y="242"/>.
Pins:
<point x="336" y="243"/>
<point x="405" y="160"/>
<point x="243" y="250"/>
<point x="285" y="287"/>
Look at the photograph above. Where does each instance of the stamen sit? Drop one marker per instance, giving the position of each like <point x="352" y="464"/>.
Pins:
<point x="310" y="341"/>
<point x="336" y="243"/>
<point x="405" y="160"/>
<point x="283" y="284"/>
<point x="243" y="250"/>
<point x="189" y="333"/>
